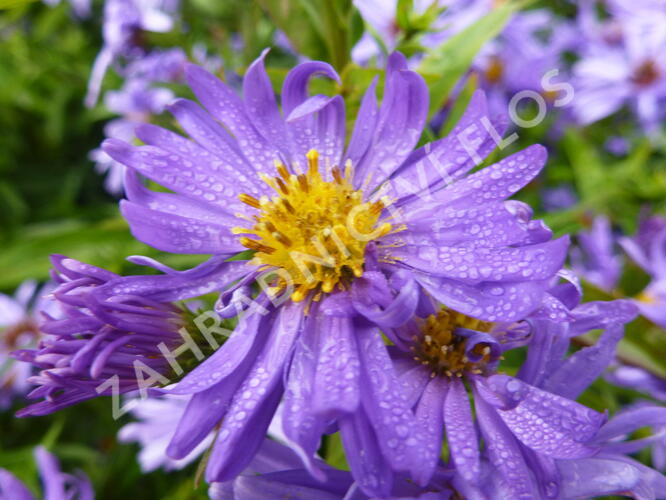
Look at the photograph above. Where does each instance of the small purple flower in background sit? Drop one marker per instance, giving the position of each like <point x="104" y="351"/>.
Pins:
<point x="517" y="416"/>
<point x="619" y="146"/>
<point x="648" y="249"/>
<point x="115" y="172"/>
<point x="531" y="45"/>
<point x="158" y="419"/>
<point x="595" y="258"/>
<point x="627" y="68"/>
<point x="124" y="20"/>
<point x="453" y="234"/>
<point x="56" y="484"/>
<point x="137" y="101"/>
<point x="19" y="330"/>
<point x="559" y="198"/>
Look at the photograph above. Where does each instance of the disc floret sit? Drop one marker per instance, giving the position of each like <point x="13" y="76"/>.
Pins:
<point x="444" y="349"/>
<point x="315" y="230"/>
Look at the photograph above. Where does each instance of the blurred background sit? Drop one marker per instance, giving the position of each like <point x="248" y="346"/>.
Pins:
<point x="74" y="72"/>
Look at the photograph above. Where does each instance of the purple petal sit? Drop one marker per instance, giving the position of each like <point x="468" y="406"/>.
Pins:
<point x="210" y="135"/>
<point x="496" y="182"/>
<point x="546" y="351"/>
<point x="489" y="225"/>
<point x="631" y="420"/>
<point x="204" y="411"/>
<point x="387" y="404"/>
<point x="223" y="103"/>
<point x="12" y="488"/>
<point x="301" y="426"/>
<point x="296" y="484"/>
<point x="261" y="106"/>
<point x="448" y="158"/>
<point x="174" y="204"/>
<point x="398" y="312"/>
<point x="549" y="424"/>
<point x="476" y="265"/>
<point x="336" y="385"/>
<point x="583" y="367"/>
<point x="254" y="404"/>
<point x="510" y="301"/>
<point x="368" y="466"/>
<point x="364" y="129"/>
<point x="241" y="436"/>
<point x="52" y="477"/>
<point x="598" y="477"/>
<point x="513" y="475"/>
<point x="185" y="175"/>
<point x="210" y="276"/>
<point x="400" y="123"/>
<point x="227" y="358"/>
<point x="319" y="123"/>
<point x="177" y="234"/>
<point x="429" y="416"/>
<point x="461" y="432"/>
<point x="295" y="87"/>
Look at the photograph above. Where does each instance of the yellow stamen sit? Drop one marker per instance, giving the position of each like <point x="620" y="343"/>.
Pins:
<point x="313" y="229"/>
<point x="443" y="350"/>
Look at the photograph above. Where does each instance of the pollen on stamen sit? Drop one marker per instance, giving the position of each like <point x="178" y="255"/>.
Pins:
<point x="316" y="218"/>
<point x="444" y="351"/>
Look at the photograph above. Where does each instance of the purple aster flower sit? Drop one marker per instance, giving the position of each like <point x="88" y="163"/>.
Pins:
<point x="623" y="69"/>
<point x="319" y="230"/>
<point x="19" y="330"/>
<point x="110" y="335"/>
<point x="441" y="351"/>
<point x="531" y="45"/>
<point x="123" y="22"/>
<point x="595" y="258"/>
<point x="648" y="249"/>
<point x="57" y="484"/>
<point x="157" y="421"/>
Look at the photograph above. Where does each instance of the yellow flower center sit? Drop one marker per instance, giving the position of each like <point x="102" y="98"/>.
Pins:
<point x="315" y="230"/>
<point x="444" y="351"/>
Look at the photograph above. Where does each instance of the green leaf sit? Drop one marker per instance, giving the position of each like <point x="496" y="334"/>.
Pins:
<point x="105" y="244"/>
<point x="587" y="167"/>
<point x="446" y="64"/>
<point x="459" y="106"/>
<point x="11" y="4"/>
<point x="319" y="29"/>
<point x="334" y="452"/>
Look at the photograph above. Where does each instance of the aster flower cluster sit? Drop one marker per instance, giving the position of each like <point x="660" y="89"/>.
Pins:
<point x="382" y="287"/>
